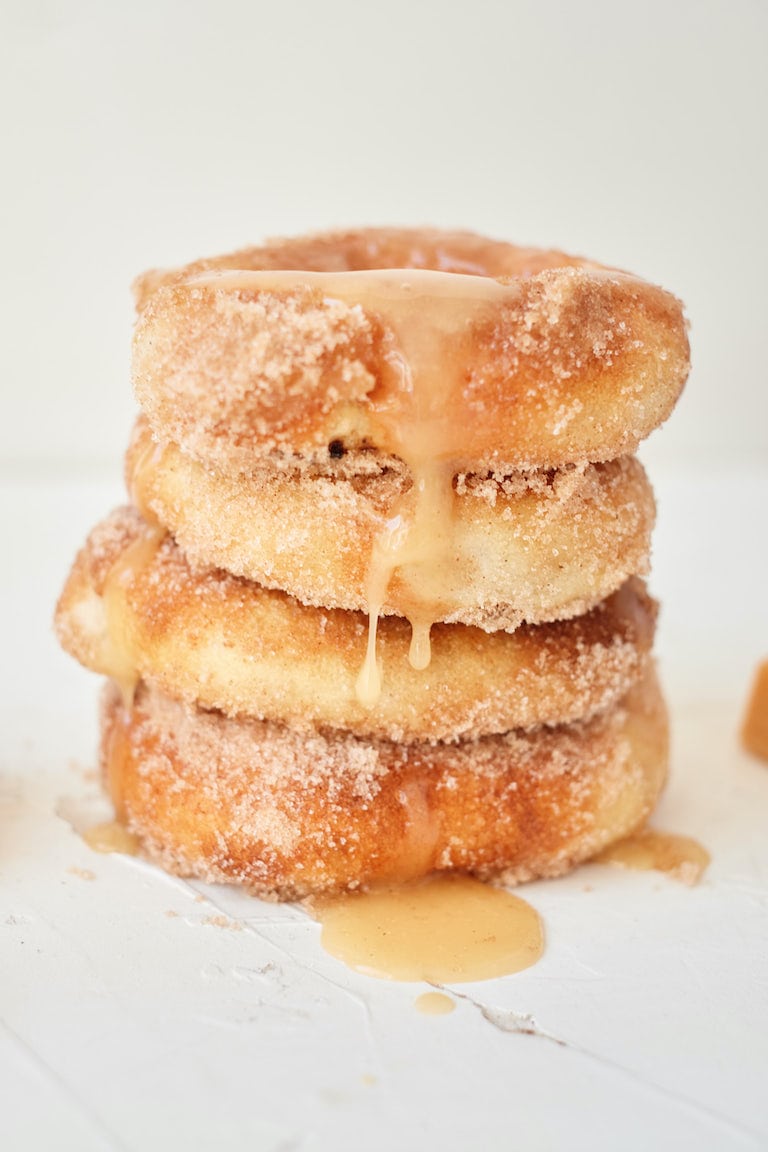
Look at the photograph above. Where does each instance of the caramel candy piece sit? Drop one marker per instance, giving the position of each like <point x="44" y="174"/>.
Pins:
<point x="754" y="732"/>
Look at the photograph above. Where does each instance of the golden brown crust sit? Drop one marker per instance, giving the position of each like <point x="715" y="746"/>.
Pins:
<point x="579" y="364"/>
<point x="212" y="639"/>
<point x="529" y="548"/>
<point x="291" y="815"/>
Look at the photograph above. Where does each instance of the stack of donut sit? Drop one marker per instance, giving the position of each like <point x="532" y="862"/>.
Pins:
<point x="377" y="607"/>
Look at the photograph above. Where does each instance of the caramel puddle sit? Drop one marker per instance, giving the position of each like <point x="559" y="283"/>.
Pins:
<point x="111" y="837"/>
<point x="444" y="929"/>
<point x="680" y="857"/>
<point x="434" y="1004"/>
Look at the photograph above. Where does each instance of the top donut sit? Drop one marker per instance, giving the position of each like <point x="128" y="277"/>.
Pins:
<point x="386" y="340"/>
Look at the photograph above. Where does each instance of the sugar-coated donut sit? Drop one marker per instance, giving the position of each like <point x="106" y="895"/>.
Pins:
<point x="526" y="547"/>
<point x="222" y="642"/>
<point x="377" y="609"/>
<point x="291" y="815"/>
<point x="564" y="362"/>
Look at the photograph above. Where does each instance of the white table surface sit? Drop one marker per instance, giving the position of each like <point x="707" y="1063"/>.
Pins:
<point x="141" y="1012"/>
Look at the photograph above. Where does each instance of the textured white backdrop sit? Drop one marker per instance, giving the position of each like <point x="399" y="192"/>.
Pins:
<point x="152" y="133"/>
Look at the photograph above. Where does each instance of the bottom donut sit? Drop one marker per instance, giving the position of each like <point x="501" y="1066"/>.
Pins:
<point x="290" y="815"/>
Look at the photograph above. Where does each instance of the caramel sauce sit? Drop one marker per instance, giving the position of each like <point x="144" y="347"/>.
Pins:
<point x="444" y="929"/>
<point x="117" y="657"/>
<point x="426" y="316"/>
<point x="435" y="1004"/>
<point x="648" y="851"/>
<point x="416" y="853"/>
<point x="754" y="731"/>
<point x="111" y="837"/>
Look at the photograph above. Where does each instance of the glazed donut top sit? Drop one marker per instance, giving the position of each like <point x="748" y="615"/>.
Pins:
<point x="496" y="357"/>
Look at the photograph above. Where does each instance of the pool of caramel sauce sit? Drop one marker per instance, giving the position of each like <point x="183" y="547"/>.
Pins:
<point x="680" y="857"/>
<point x="111" y="836"/>
<point x="443" y="929"/>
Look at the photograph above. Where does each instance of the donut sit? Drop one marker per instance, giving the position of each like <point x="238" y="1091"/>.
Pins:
<point x="134" y="608"/>
<point x="290" y="815"/>
<point x="409" y="344"/>
<point x="526" y="547"/>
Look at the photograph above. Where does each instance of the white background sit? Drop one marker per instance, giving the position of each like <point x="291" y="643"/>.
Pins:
<point x="151" y="133"/>
<point x="148" y="134"/>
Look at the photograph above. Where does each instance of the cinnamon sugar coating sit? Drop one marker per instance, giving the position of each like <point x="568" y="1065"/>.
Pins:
<point x="292" y="815"/>
<point x="356" y="250"/>
<point x="222" y="642"/>
<point x="526" y="547"/>
<point x="579" y="364"/>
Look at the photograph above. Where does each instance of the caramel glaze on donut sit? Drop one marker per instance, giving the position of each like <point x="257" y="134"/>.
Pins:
<point x="528" y="547"/>
<point x="430" y="249"/>
<point x="133" y="608"/>
<point x="537" y="359"/>
<point x="290" y="815"/>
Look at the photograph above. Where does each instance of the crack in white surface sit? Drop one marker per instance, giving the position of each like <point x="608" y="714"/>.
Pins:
<point x="523" y="1024"/>
<point x="506" y="1019"/>
<point x="50" y="1075"/>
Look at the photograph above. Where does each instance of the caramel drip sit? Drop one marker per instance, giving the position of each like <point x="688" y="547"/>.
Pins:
<point x="117" y="657"/>
<point x="417" y="850"/>
<point x="679" y="856"/>
<point x="417" y="543"/>
<point x="445" y="929"/>
<point x="426" y="315"/>
<point x="111" y="837"/>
